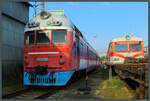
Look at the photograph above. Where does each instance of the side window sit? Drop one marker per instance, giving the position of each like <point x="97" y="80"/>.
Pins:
<point x="82" y="52"/>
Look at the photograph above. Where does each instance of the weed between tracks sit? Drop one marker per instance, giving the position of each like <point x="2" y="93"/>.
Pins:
<point x="114" y="89"/>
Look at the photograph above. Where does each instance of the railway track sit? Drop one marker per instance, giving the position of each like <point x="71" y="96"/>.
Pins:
<point x="12" y="95"/>
<point x="42" y="96"/>
<point x="48" y="93"/>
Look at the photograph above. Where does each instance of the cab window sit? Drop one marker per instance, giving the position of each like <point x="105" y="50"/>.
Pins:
<point x="135" y="47"/>
<point x="59" y="36"/>
<point x="29" y="38"/>
<point x="42" y="37"/>
<point x="121" y="47"/>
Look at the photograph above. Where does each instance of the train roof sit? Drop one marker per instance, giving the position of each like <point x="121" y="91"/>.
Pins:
<point x="126" y="38"/>
<point x="49" y="18"/>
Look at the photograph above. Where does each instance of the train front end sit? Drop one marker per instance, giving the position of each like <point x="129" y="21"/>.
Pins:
<point x="124" y="48"/>
<point x="47" y="52"/>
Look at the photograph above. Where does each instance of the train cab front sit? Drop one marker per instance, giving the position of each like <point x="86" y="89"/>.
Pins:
<point x="47" y="57"/>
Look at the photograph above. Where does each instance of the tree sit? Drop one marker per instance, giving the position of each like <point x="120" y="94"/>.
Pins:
<point x="103" y="58"/>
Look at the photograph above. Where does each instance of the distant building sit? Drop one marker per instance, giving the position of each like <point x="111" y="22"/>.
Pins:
<point x="14" y="17"/>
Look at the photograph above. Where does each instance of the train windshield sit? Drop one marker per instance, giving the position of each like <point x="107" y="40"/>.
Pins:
<point x="135" y="47"/>
<point x="121" y="47"/>
<point x="59" y="36"/>
<point x="29" y="38"/>
<point x="42" y="37"/>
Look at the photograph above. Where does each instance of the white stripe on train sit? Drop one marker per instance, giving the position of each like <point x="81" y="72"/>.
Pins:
<point x="43" y="53"/>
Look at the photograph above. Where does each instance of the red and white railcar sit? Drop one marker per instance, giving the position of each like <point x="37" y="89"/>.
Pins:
<point x="54" y="50"/>
<point x="123" y="47"/>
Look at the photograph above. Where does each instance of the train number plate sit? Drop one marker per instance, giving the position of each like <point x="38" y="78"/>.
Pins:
<point x="42" y="59"/>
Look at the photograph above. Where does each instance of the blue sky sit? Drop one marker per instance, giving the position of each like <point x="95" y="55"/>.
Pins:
<point x="105" y="20"/>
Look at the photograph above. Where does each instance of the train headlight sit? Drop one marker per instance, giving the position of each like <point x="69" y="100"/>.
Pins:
<point x="44" y="15"/>
<point x="60" y="61"/>
<point x="127" y="37"/>
<point x="48" y="23"/>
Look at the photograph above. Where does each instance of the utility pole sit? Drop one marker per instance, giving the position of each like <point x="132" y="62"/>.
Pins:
<point x="34" y="8"/>
<point x="42" y="6"/>
<point x="35" y="5"/>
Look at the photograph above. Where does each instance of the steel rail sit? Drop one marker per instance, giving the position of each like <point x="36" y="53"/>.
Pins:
<point x="11" y="95"/>
<point x="48" y="93"/>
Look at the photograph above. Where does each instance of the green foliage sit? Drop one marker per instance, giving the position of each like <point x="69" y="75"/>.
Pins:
<point x="103" y="58"/>
<point x="117" y="82"/>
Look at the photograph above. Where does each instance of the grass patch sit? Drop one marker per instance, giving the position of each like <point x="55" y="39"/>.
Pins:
<point x="114" y="89"/>
<point x="117" y="82"/>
